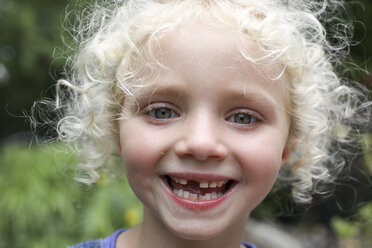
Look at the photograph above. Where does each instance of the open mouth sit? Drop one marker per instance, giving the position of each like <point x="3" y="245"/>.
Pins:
<point x="198" y="190"/>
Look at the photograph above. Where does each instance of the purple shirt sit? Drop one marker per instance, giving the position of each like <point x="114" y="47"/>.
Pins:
<point x="110" y="241"/>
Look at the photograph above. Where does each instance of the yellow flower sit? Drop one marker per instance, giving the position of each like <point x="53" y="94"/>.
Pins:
<point x="132" y="217"/>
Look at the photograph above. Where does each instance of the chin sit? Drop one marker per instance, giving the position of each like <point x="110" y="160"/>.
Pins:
<point x="197" y="232"/>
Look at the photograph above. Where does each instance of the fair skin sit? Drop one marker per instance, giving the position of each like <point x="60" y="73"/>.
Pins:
<point x="209" y="117"/>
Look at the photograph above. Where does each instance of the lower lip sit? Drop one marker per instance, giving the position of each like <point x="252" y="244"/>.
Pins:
<point x="198" y="205"/>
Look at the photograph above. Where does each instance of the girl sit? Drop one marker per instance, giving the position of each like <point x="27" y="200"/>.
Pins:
<point x="206" y="101"/>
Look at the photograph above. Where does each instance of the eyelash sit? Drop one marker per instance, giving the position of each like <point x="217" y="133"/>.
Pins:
<point x="249" y="119"/>
<point x="152" y="111"/>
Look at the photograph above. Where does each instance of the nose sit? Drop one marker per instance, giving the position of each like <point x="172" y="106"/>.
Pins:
<point x="201" y="140"/>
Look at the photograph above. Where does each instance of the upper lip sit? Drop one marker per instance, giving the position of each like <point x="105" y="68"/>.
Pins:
<point x="199" y="177"/>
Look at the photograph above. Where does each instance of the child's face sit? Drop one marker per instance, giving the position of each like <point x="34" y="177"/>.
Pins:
<point x="211" y="119"/>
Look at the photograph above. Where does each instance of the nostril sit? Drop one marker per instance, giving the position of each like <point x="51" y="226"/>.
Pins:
<point x="200" y="152"/>
<point x="181" y="148"/>
<point x="220" y="151"/>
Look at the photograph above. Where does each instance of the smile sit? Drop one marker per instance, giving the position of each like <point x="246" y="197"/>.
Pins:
<point x="194" y="190"/>
<point x="198" y="193"/>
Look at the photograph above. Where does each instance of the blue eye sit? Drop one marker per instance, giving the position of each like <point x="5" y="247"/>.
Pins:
<point x="242" y="119"/>
<point x="162" y="113"/>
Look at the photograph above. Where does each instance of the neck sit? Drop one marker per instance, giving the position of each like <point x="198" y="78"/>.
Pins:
<point x="152" y="233"/>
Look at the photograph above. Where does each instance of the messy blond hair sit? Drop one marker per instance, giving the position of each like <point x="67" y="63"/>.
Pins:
<point x="115" y="42"/>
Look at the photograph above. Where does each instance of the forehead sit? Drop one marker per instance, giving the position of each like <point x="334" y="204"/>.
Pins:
<point x="197" y="43"/>
<point x="196" y="47"/>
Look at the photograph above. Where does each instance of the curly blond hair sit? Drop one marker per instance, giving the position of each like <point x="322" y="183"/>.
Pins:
<point x="115" y="43"/>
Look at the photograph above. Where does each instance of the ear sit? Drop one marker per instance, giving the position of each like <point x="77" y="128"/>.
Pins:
<point x="117" y="137"/>
<point x="287" y="151"/>
<point x="119" y="146"/>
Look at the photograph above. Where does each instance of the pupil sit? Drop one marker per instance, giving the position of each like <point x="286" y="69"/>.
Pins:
<point x="242" y="118"/>
<point x="163" y="113"/>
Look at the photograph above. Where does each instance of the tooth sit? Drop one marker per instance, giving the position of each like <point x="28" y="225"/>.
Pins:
<point x="183" y="181"/>
<point x="186" y="194"/>
<point x="204" y="185"/>
<point x="193" y="196"/>
<point x="212" y="184"/>
<point x="219" y="194"/>
<point x="220" y="183"/>
<point x="202" y="197"/>
<point x="214" y="195"/>
<point x="208" y="196"/>
<point x="180" y="192"/>
<point x="175" y="191"/>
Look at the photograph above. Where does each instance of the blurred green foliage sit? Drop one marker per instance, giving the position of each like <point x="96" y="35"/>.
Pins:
<point x="367" y="147"/>
<point x="41" y="205"/>
<point x="357" y="228"/>
<point x="30" y="45"/>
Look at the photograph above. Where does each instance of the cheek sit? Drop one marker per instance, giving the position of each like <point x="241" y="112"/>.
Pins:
<point x="141" y="147"/>
<point x="133" y="150"/>
<point x="261" y="159"/>
<point x="140" y="157"/>
<point x="137" y="152"/>
<point x="263" y="167"/>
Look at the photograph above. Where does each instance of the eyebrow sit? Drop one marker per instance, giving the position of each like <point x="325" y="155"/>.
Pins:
<point x="162" y="89"/>
<point x="259" y="97"/>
